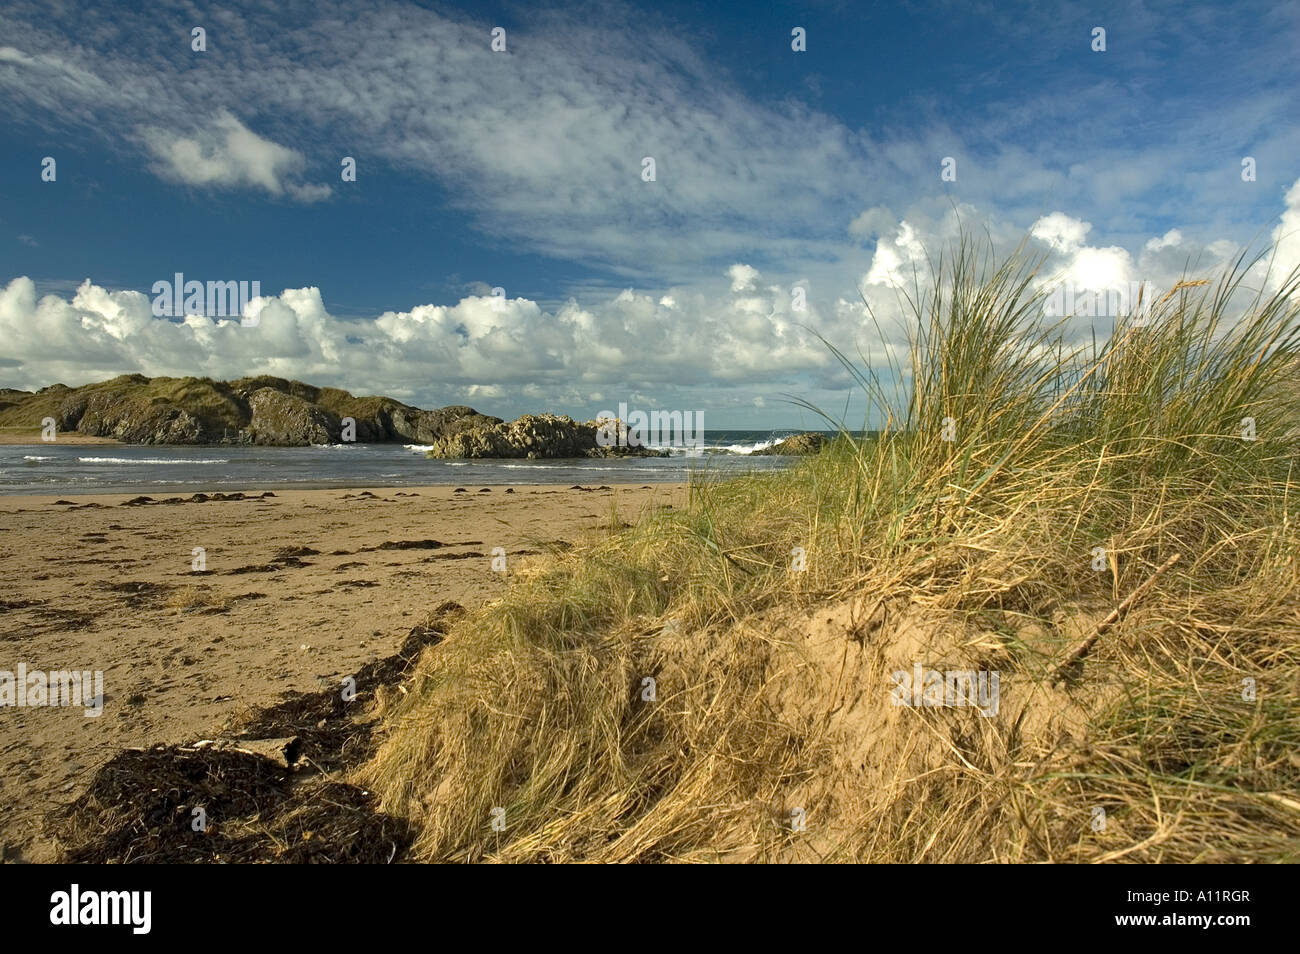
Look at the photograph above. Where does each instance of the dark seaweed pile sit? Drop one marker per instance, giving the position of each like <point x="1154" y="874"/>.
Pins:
<point x="140" y="806"/>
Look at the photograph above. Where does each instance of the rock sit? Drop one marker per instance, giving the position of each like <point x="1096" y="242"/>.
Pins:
<point x="426" y="427"/>
<point x="284" y="419"/>
<point x="130" y="408"/>
<point x="267" y="410"/>
<point x="134" y="421"/>
<point x="806" y="443"/>
<point x="531" y="436"/>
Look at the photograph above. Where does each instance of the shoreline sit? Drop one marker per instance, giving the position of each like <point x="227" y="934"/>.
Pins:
<point x="252" y="492"/>
<point x="67" y="437"/>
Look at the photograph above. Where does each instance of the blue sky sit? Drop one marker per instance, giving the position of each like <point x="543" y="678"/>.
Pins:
<point x="476" y="169"/>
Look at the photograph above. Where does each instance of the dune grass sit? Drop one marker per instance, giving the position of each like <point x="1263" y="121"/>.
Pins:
<point x="1021" y="487"/>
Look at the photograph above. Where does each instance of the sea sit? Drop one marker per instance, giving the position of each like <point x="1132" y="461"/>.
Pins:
<point x="125" y="468"/>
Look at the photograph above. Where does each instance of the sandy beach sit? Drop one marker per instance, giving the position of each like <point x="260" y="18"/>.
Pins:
<point x="25" y="437"/>
<point x="299" y="589"/>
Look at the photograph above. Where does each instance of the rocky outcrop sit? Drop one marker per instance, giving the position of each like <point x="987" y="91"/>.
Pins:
<point x="795" y="445"/>
<point x="282" y="420"/>
<point x="532" y="436"/>
<point x="256" y="410"/>
<point x="11" y="397"/>
<point x="146" y="425"/>
<point x="426" y="427"/>
<point x="133" y="420"/>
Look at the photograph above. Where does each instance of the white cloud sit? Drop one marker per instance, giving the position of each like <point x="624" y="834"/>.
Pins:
<point x="479" y="349"/>
<point x="1286" y="239"/>
<point x="894" y="259"/>
<point x="1100" y="268"/>
<point x="1060" y="231"/>
<point x="542" y="148"/>
<point x="719" y="340"/>
<point x="9" y="55"/>
<point x="873" y="222"/>
<point x="228" y="154"/>
<point x="1170" y="239"/>
<point x="742" y="277"/>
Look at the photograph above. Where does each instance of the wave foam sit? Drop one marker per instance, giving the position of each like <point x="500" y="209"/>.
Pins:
<point x="149" y="460"/>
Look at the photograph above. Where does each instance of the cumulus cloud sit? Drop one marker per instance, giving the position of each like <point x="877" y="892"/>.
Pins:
<point x="1100" y="268"/>
<point x="1060" y="231"/>
<point x="1171" y="239"/>
<point x="894" y="259"/>
<point x="712" y="344"/>
<point x="742" y="277"/>
<point x="481" y="349"/>
<point x="1286" y="239"/>
<point x="1068" y="261"/>
<point x="872" y="222"/>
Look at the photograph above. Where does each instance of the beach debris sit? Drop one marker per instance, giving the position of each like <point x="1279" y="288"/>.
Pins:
<point x="1062" y="671"/>
<point x="264" y="785"/>
<point x="283" y="751"/>
<point x="405" y="545"/>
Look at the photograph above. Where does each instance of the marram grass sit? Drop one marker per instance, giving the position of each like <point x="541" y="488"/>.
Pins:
<point x="1072" y="472"/>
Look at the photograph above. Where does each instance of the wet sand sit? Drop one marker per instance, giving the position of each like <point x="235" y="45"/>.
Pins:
<point x="26" y="436"/>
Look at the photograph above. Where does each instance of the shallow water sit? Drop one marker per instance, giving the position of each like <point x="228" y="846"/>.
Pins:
<point x="109" y="468"/>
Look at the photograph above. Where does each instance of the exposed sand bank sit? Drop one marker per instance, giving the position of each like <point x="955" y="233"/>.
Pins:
<point x="31" y="436"/>
<point x="300" y="590"/>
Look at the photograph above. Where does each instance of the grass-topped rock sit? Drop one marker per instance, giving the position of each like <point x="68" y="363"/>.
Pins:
<point x="254" y="410"/>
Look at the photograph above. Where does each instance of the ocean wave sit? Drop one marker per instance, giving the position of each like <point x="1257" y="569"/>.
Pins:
<point x="335" y="446"/>
<point x="679" y="450"/>
<point x="561" y="466"/>
<point x="35" y="457"/>
<point x="418" y="448"/>
<point x="750" y="448"/>
<point x="150" y="460"/>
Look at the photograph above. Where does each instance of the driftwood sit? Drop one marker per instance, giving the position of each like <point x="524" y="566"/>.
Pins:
<point x="1081" y="650"/>
<point x="283" y="752"/>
